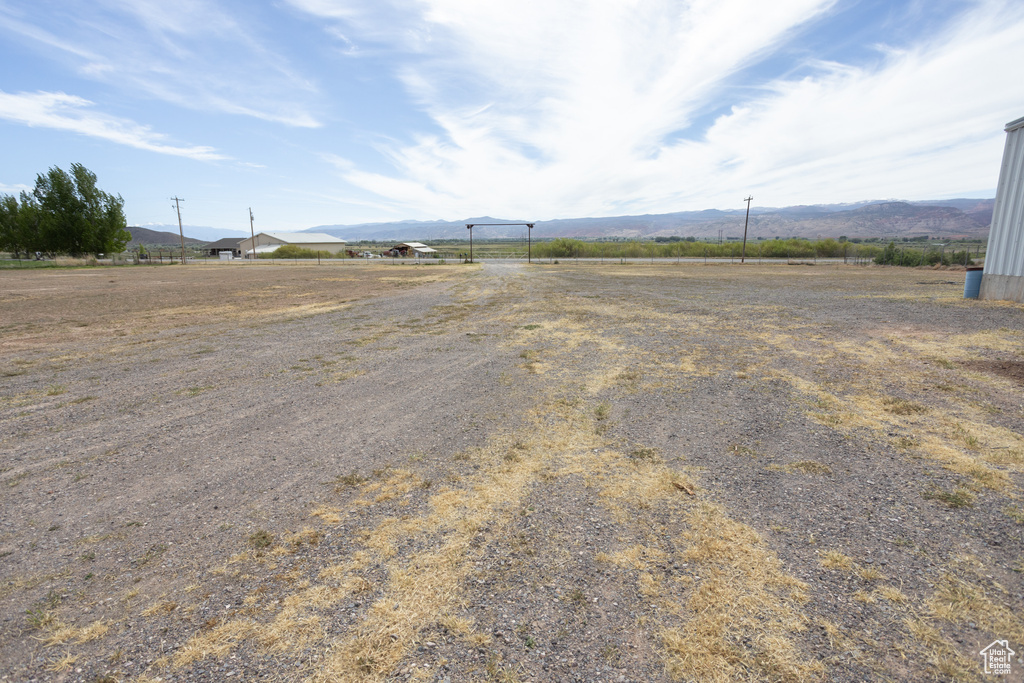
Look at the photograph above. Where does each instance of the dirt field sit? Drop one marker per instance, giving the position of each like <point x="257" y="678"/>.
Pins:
<point x="508" y="473"/>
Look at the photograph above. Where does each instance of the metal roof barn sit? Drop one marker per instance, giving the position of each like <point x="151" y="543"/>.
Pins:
<point x="1004" y="258"/>
<point x="269" y="241"/>
<point x="415" y="247"/>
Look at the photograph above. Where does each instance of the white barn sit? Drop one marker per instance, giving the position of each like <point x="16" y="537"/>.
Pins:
<point x="269" y="241"/>
<point x="1004" y="258"/>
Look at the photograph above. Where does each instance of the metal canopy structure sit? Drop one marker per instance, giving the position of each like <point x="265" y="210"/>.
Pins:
<point x="529" y="238"/>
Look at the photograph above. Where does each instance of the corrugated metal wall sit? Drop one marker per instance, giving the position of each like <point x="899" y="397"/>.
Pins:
<point x="1004" y="258"/>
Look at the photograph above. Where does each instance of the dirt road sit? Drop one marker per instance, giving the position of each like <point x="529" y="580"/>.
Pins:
<point x="508" y="473"/>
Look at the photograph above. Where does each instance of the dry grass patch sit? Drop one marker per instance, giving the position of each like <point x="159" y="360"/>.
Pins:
<point x="217" y="642"/>
<point x="833" y="559"/>
<point x="396" y="483"/>
<point x="61" y="633"/>
<point x="160" y="608"/>
<point x="425" y="586"/>
<point x="635" y="557"/>
<point x="892" y="594"/>
<point x="869" y="573"/>
<point x="64" y="664"/>
<point x="943" y="657"/>
<point x="327" y="513"/>
<point x="958" y="601"/>
<point x="957" y="498"/>
<point x="1014" y="512"/>
<point x="900" y="406"/>
<point x="1005" y="456"/>
<point x="743" y="592"/>
<point x="627" y="485"/>
<point x="261" y="538"/>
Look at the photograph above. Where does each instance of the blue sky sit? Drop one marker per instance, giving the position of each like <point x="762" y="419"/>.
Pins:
<point x="320" y="112"/>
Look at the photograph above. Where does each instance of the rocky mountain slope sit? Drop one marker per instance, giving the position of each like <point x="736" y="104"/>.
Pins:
<point x="947" y="218"/>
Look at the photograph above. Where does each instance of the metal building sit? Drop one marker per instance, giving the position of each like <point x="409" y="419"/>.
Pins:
<point x="267" y="242"/>
<point x="1004" y="258"/>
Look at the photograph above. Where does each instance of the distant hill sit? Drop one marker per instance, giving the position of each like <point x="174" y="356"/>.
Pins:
<point x="202" y="233"/>
<point x="887" y="219"/>
<point x="157" y="237"/>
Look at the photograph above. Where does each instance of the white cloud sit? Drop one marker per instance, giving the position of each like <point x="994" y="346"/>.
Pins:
<point x="190" y="53"/>
<point x="14" y="189"/>
<point x="926" y="122"/>
<point x="551" y="109"/>
<point x="551" y="106"/>
<point x="60" y="111"/>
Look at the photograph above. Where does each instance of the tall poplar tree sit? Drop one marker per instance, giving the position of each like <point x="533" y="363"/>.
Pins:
<point x="65" y="213"/>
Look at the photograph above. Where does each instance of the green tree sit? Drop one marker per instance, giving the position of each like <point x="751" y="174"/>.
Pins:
<point x="65" y="213"/>
<point x="19" y="225"/>
<point x="9" y="238"/>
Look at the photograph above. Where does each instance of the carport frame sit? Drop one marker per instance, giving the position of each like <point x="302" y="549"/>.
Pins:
<point x="529" y="238"/>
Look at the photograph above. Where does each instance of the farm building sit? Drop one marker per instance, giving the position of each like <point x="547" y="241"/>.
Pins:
<point x="410" y="249"/>
<point x="1004" y="259"/>
<point x="267" y="242"/>
<point x="227" y="244"/>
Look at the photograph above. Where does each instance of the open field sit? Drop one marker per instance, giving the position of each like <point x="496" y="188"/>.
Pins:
<point x="508" y="473"/>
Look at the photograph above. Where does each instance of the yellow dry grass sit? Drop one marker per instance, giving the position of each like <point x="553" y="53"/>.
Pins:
<point x="958" y="600"/>
<point x="217" y="642"/>
<point x="425" y="586"/>
<point x="833" y="559"/>
<point x="943" y="657"/>
<point x="743" y="594"/>
<point x="159" y="608"/>
<point x="327" y="513"/>
<point x="634" y="557"/>
<point x="892" y="594"/>
<point x="64" y="664"/>
<point x="60" y="633"/>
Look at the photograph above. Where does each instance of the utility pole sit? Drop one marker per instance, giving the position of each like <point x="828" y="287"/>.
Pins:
<point x="181" y="233"/>
<point x="743" y="255"/>
<point x="253" y="233"/>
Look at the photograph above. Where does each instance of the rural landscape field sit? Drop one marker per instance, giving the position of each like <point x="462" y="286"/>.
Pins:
<point x="504" y="472"/>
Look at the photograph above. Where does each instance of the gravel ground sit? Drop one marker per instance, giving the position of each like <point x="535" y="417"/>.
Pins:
<point x="511" y="473"/>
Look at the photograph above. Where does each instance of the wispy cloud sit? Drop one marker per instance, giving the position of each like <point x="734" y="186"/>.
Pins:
<point x="14" y="189"/>
<point x="60" y="111"/>
<point x="551" y="109"/>
<point x="191" y="53"/>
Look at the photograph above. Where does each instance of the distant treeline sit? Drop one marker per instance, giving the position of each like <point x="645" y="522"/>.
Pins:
<point x="791" y="248"/>
<point x="899" y="256"/>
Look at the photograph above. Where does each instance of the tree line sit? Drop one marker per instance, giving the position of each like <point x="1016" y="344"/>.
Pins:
<point x="791" y="248"/>
<point x="64" y="214"/>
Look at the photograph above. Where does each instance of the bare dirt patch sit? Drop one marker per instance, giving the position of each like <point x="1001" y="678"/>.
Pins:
<point x="43" y="308"/>
<point x="564" y="473"/>
<point x="1010" y="369"/>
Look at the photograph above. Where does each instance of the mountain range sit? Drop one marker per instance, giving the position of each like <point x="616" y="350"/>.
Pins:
<point x="158" y="237"/>
<point x="950" y="218"/>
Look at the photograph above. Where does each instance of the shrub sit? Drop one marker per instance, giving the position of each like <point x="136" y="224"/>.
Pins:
<point x="295" y="251"/>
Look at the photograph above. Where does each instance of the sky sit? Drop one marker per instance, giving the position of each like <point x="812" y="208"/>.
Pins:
<point x="322" y="112"/>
